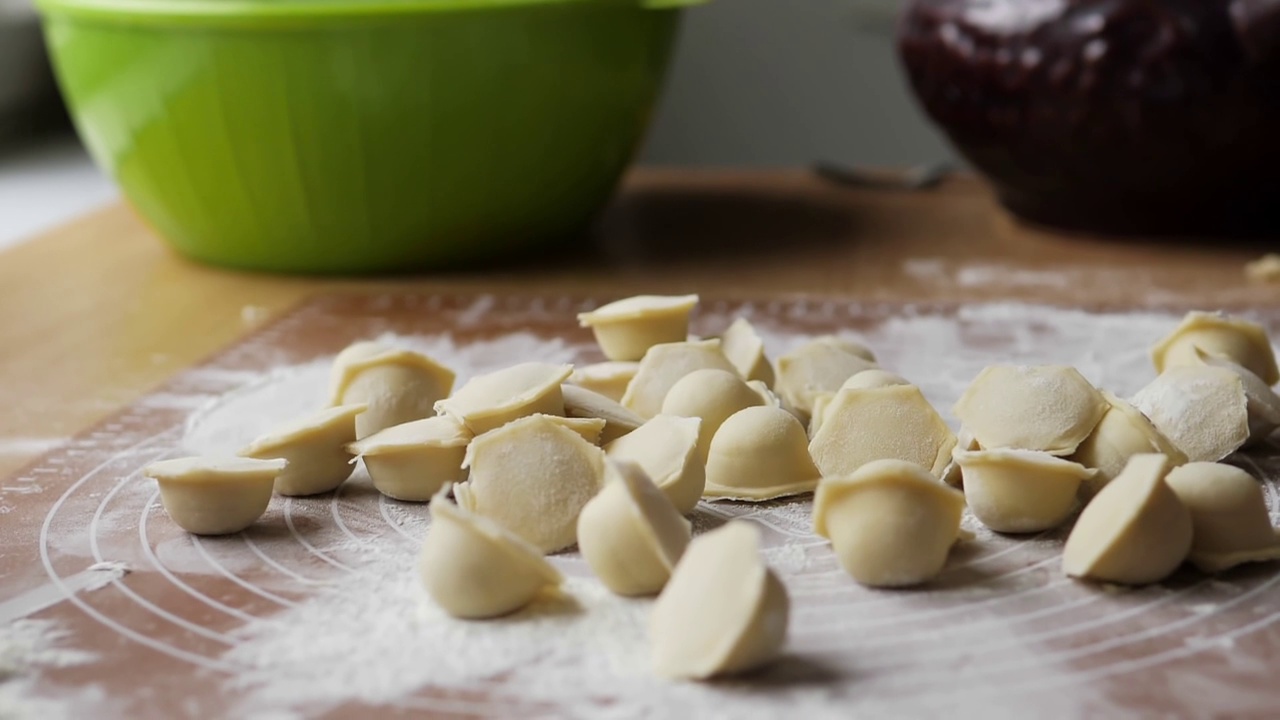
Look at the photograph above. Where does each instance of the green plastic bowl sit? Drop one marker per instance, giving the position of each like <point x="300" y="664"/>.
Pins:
<point x="340" y="136"/>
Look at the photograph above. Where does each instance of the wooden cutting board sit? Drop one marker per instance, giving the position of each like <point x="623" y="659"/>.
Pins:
<point x="110" y="344"/>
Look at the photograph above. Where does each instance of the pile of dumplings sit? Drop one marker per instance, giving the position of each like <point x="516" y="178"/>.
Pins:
<point x="612" y="457"/>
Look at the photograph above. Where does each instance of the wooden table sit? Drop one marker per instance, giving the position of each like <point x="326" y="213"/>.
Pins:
<point x="95" y="313"/>
<point x="100" y="313"/>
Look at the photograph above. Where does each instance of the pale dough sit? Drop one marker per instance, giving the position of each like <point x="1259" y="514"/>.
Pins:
<point x="610" y="379"/>
<point x="712" y="395"/>
<point x="412" y="461"/>
<point x="474" y="568"/>
<point x="893" y="422"/>
<point x="1122" y="433"/>
<point x="1136" y="531"/>
<point x="723" y="611"/>
<point x="630" y="534"/>
<point x="398" y="385"/>
<point x="1020" y="491"/>
<point x="865" y="380"/>
<point x="1265" y="269"/>
<point x="215" y="496"/>
<point x="891" y="523"/>
<point x="580" y="402"/>
<point x="1203" y="410"/>
<point x="1236" y="339"/>
<point x="953" y="475"/>
<point x="1261" y="402"/>
<point x="666" y="448"/>
<point x="745" y="349"/>
<point x="316" y="448"/>
<point x="819" y="366"/>
<point x="532" y="476"/>
<point x="1050" y="408"/>
<point x="627" y="328"/>
<point x="488" y="402"/>
<point x="589" y="429"/>
<point x="1228" y="516"/>
<point x="663" y="366"/>
<point x="760" y="453"/>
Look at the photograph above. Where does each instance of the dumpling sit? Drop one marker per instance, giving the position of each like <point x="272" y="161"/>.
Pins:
<point x="398" y="385"/>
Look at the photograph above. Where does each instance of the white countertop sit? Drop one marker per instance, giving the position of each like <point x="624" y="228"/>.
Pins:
<point x="45" y="184"/>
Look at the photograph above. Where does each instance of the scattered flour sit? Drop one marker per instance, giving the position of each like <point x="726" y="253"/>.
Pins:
<point x="26" y="647"/>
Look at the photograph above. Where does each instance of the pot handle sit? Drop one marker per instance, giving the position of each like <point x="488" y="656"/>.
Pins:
<point x="1257" y="24"/>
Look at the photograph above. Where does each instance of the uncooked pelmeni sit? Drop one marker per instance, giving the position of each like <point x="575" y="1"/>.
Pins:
<point x="712" y="395"/>
<point x="1228" y="516"/>
<point x="865" y="380"/>
<point x="589" y="429"/>
<point x="894" y="422"/>
<point x="580" y="402"/>
<point x="630" y="533"/>
<point x="1235" y="339"/>
<point x="891" y="523"/>
<point x="1050" y="408"/>
<point x="760" y="453"/>
<point x="398" y="385"/>
<point x="532" y="476"/>
<point x="723" y="611"/>
<point x="1020" y="491"/>
<point x="413" y="460"/>
<point x="1122" y="433"/>
<point x="316" y="448"/>
<point x="627" y="328"/>
<point x="1201" y="409"/>
<point x="745" y="349"/>
<point x="610" y="379"/>
<point x="666" y="448"/>
<point x="474" y="568"/>
<point x="490" y="401"/>
<point x="1136" y="531"/>
<point x="663" y="366"/>
<point x="215" y="496"/>
<point x="819" y="366"/>
<point x="1262" y="403"/>
<point x="953" y="474"/>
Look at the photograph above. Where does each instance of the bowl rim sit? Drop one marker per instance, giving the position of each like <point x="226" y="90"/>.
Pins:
<point x="260" y="12"/>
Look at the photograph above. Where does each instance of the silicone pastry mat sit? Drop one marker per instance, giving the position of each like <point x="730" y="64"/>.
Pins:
<point x="158" y="623"/>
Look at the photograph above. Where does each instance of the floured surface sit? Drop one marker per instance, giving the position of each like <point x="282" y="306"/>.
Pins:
<point x="315" y="609"/>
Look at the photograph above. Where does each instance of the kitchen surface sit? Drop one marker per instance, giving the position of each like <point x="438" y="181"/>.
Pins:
<point x="1011" y="465"/>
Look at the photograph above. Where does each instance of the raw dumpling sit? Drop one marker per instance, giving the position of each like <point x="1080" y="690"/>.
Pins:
<point x="630" y="534"/>
<point x="1228" y="516"/>
<point x="865" y="380"/>
<point x="215" y="496"/>
<point x="627" y="328"/>
<point x="414" y="460"/>
<point x="894" y="422"/>
<point x="1220" y="335"/>
<point x="610" y="379"/>
<point x="760" y="453"/>
<point x="532" y="476"/>
<point x="1122" y="433"/>
<point x="1050" y="408"/>
<point x="723" y="611"/>
<point x="891" y="523"/>
<point x="1136" y="530"/>
<point x="663" y="366"/>
<point x="474" y="568"/>
<point x="490" y="401"/>
<point x="666" y="448"/>
<point x="819" y="366"/>
<point x="1202" y="410"/>
<point x="1020" y="491"/>
<point x="712" y="395"/>
<point x="316" y="448"/>
<point x="398" y="385"/>
<point x="580" y="402"/>
<point x="745" y="349"/>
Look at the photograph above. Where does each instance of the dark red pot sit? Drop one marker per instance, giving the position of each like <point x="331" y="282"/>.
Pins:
<point x="1114" y="116"/>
